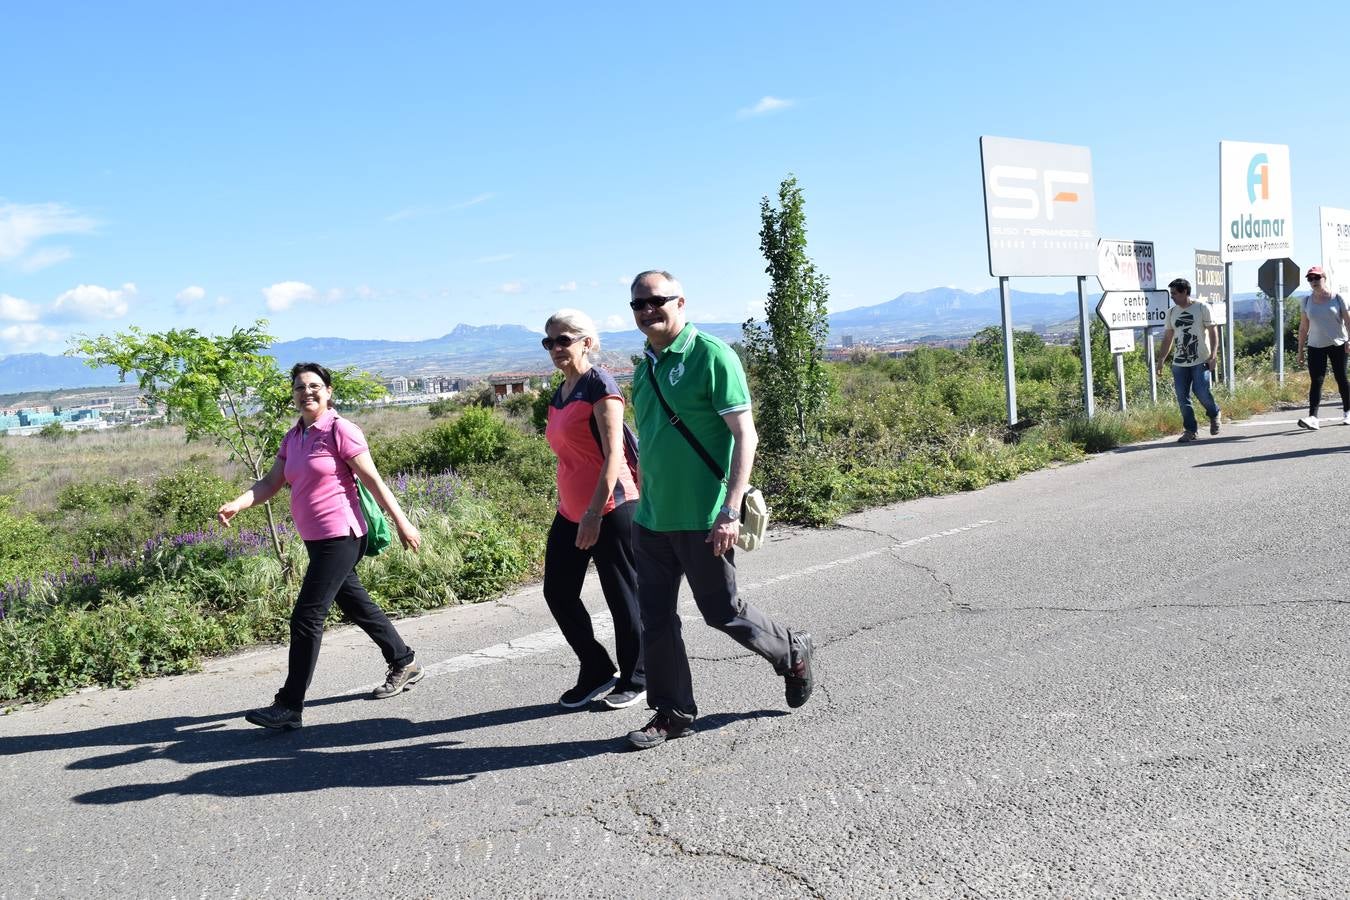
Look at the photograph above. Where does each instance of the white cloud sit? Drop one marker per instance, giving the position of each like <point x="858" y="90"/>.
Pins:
<point x="190" y="295"/>
<point x="565" y="288"/>
<point x="24" y="224"/>
<point x="20" y="337"/>
<point x="223" y="301"/>
<point x="365" y="292"/>
<point x="765" y="106"/>
<point x="91" y="301"/>
<point x="473" y="201"/>
<point x="285" y="294"/>
<point x="334" y="295"/>
<point x="12" y="309"/>
<point x="511" y="287"/>
<point x="617" y="323"/>
<point x="47" y="256"/>
<point x="414" y="212"/>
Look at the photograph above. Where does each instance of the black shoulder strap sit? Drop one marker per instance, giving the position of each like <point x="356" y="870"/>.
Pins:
<point x="683" y="428"/>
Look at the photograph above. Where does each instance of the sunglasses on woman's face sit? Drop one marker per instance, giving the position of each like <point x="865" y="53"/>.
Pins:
<point x="562" y="341"/>
<point x="1314" y="277"/>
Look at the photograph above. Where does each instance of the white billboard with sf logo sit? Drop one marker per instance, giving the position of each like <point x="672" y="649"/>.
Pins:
<point x="1039" y="208"/>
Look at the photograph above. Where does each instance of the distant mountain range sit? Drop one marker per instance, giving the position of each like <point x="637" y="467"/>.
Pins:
<point x="481" y="350"/>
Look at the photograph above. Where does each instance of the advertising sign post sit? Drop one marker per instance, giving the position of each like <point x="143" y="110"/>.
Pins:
<point x="1336" y="249"/>
<point x="1040" y="219"/>
<point x="1130" y="266"/>
<point x="1209" y="289"/>
<point x="1256" y="215"/>
<point x="1122" y="342"/>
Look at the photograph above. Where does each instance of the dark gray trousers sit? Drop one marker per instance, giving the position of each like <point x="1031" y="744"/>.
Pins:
<point x="662" y="558"/>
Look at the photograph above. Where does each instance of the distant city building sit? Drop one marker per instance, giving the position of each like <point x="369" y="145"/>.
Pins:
<point x="507" y="383"/>
<point x="848" y="342"/>
<point x="397" y="385"/>
<point x="440" y="384"/>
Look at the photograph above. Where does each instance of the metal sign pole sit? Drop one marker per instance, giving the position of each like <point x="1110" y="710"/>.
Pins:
<point x="1152" y="372"/>
<point x="1009" y="377"/>
<point x="1085" y="341"/>
<point x="1279" y="323"/>
<point x="1120" y="378"/>
<point x="1228" y="337"/>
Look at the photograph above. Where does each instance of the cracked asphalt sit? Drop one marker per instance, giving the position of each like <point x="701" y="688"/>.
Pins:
<point x="1122" y="678"/>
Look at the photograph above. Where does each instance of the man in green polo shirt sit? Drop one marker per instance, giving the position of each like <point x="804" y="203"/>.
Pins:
<point x="688" y="518"/>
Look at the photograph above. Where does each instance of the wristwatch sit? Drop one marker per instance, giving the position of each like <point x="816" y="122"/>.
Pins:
<point x="732" y="514"/>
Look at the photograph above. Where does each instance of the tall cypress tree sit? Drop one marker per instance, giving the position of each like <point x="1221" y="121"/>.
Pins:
<point x="786" y="351"/>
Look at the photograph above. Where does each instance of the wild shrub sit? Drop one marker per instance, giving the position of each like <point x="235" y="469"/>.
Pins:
<point x="187" y="499"/>
<point x="96" y="496"/>
<point x="1105" y="431"/>
<point x="27" y="547"/>
<point x="521" y="405"/>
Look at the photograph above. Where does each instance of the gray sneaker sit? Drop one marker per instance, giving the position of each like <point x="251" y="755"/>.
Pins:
<point x="399" y="679"/>
<point x="1186" y="437"/>
<point x="1214" y="423"/>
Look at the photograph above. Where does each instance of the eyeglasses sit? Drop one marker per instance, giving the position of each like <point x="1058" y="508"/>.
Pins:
<point x="644" y="302"/>
<point x="1314" y="277"/>
<point x="562" y="341"/>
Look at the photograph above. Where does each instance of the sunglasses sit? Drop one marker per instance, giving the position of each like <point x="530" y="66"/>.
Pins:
<point x="1314" y="277"/>
<point x="562" y="341"/>
<point x="643" y="303"/>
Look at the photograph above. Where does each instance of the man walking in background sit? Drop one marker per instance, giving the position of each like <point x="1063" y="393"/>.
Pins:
<point x="1192" y="327"/>
<point x="688" y="518"/>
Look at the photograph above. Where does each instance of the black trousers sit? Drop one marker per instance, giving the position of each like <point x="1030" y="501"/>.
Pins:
<point x="332" y="576"/>
<point x="564" y="574"/>
<point x="663" y="558"/>
<point x="1318" y="357"/>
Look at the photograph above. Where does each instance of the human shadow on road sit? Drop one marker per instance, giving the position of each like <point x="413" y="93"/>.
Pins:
<point x="1204" y="440"/>
<point x="206" y="739"/>
<point x="298" y="762"/>
<point x="1276" y="457"/>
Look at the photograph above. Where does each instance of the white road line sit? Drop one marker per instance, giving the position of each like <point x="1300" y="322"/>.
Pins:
<point x="552" y="639"/>
<point x="1332" y="423"/>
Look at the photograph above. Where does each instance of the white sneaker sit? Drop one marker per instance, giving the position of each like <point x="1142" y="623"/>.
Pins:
<point x="1310" y="423"/>
<point x="1346" y="420"/>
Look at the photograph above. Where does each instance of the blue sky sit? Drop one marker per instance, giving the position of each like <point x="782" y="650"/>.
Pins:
<point x="391" y="170"/>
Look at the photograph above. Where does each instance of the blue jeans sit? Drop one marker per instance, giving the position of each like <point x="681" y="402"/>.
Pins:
<point x="1186" y="378"/>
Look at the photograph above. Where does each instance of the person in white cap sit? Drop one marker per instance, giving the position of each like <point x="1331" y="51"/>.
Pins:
<point x="1323" y="330"/>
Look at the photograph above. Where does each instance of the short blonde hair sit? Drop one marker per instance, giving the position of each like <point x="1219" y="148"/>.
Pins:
<point x="575" y="321"/>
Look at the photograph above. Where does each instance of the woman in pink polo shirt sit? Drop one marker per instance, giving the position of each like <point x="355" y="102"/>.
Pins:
<point x="597" y="496"/>
<point x="320" y="458"/>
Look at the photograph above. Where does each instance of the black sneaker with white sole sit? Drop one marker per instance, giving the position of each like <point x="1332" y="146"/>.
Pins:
<point x="624" y="696"/>
<point x="587" y="688"/>
<point x="275" y="716"/>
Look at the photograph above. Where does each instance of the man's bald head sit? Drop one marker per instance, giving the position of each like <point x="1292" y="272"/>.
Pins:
<point x="659" y="281"/>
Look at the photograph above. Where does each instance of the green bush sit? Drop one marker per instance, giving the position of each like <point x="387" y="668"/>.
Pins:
<point x="1102" y="432"/>
<point x="520" y="405"/>
<point x="187" y="499"/>
<point x="55" y="431"/>
<point x="539" y="407"/>
<point x="97" y="496"/>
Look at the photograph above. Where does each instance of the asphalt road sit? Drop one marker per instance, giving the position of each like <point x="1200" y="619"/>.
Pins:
<point x="1122" y="678"/>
